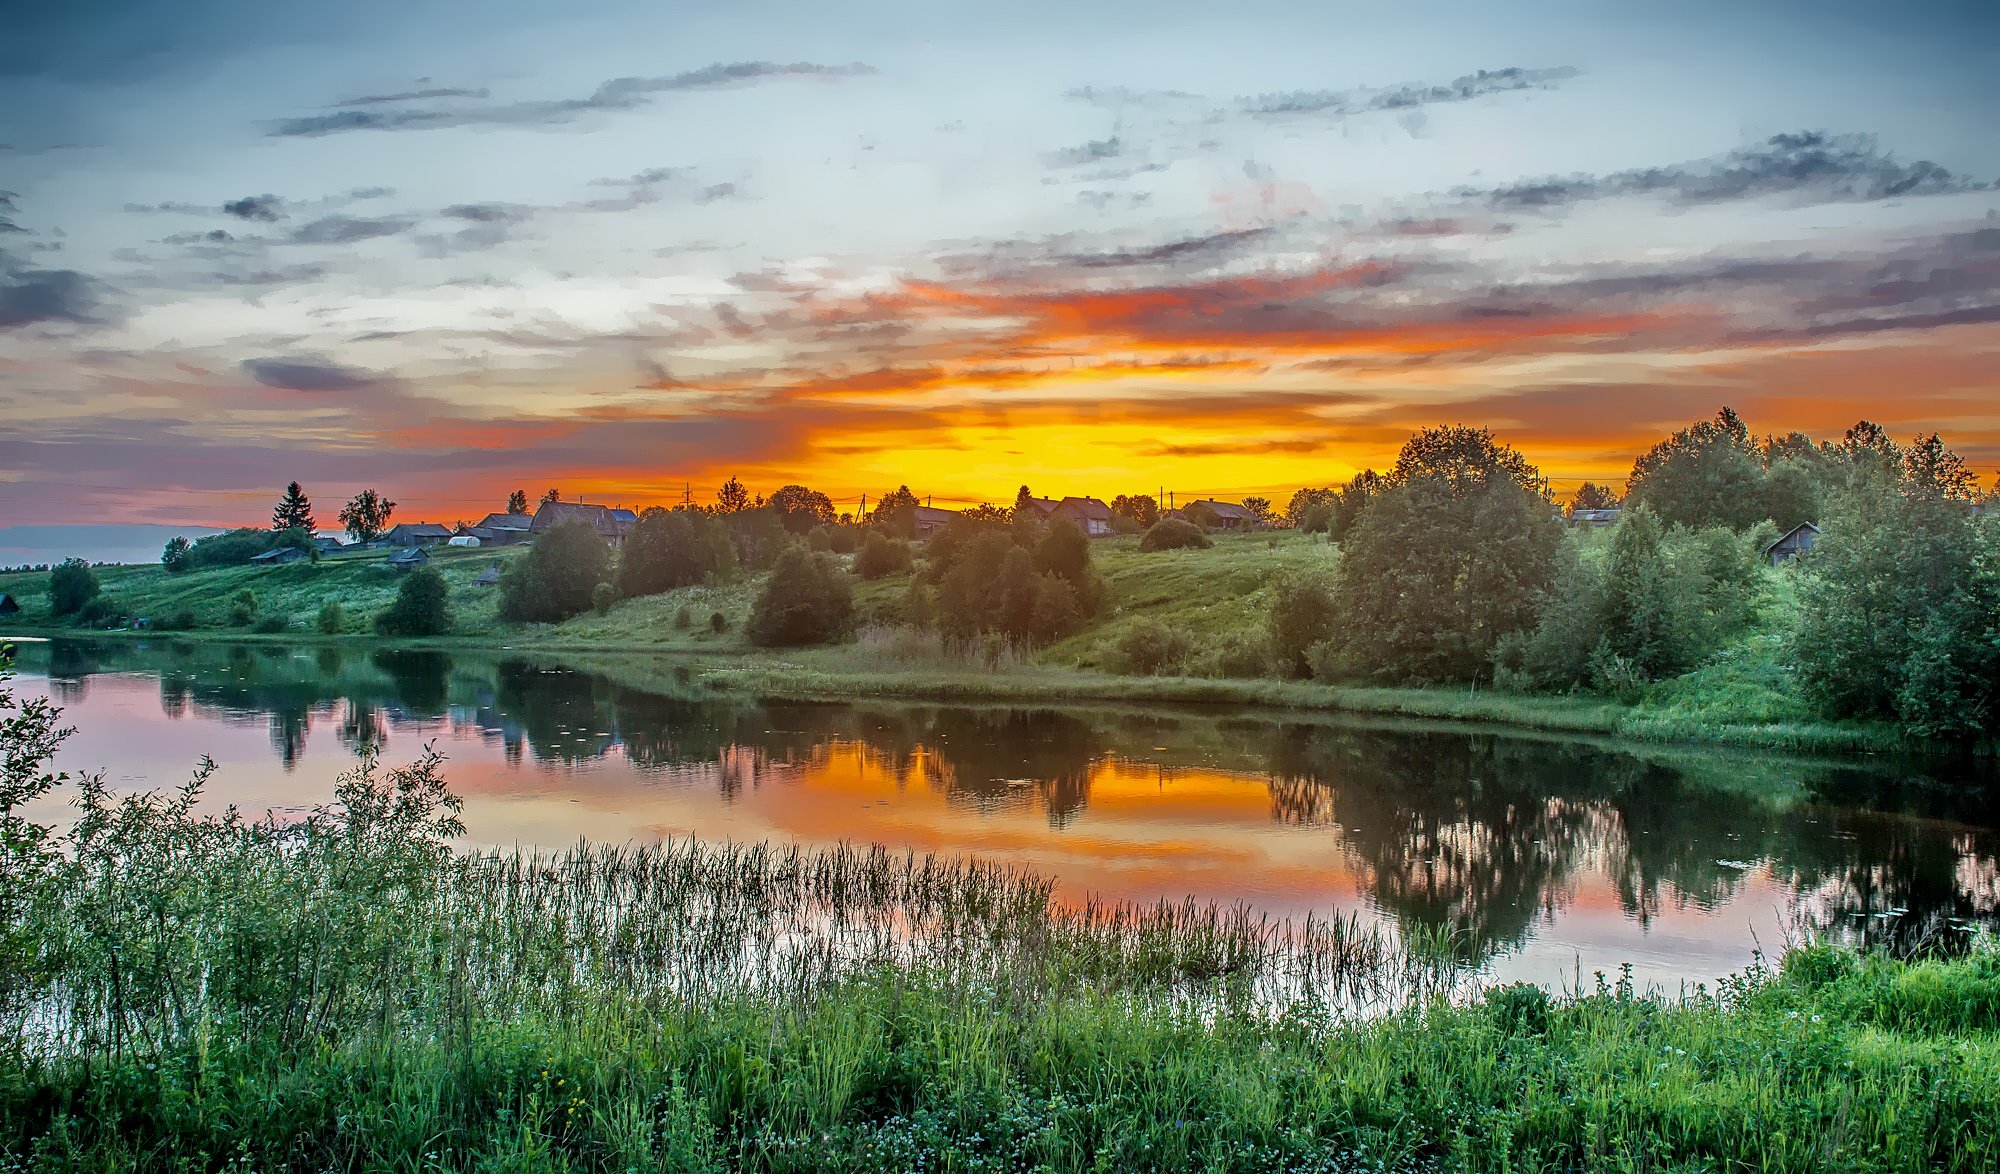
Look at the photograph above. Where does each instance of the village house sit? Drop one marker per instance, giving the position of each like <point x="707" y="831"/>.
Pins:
<point x="328" y="544"/>
<point x="9" y="606"/>
<point x="501" y="529"/>
<point x="929" y="521"/>
<point x="408" y="558"/>
<point x="417" y="534"/>
<point x="1090" y="515"/>
<point x="490" y="577"/>
<point x="278" y="557"/>
<point x="610" y="524"/>
<point x="1799" y="540"/>
<point x="1228" y="515"/>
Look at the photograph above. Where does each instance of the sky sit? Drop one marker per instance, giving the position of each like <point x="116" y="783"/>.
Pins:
<point x="448" y="249"/>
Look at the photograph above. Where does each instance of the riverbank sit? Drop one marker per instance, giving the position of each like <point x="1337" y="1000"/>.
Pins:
<point x="1214" y="598"/>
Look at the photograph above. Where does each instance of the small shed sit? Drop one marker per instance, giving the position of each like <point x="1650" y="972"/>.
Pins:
<point x="1228" y="515"/>
<point x="328" y="544"/>
<point x="417" y="534"/>
<point x="9" y="606"/>
<point x="490" y="577"/>
<point x="929" y="520"/>
<point x="278" y="557"/>
<point x="409" y="558"/>
<point x="1797" y="541"/>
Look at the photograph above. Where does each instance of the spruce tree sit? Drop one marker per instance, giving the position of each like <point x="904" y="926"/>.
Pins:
<point x="294" y="511"/>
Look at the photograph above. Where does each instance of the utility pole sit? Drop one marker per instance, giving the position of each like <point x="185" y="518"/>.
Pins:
<point x="687" y="494"/>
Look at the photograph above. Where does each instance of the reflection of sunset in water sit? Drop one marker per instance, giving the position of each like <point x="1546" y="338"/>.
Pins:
<point x="1550" y="859"/>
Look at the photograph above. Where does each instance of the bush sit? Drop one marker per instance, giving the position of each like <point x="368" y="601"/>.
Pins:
<point x="843" y="539"/>
<point x="272" y="625"/>
<point x="71" y="585"/>
<point x="717" y="622"/>
<point x="805" y="600"/>
<point x="231" y="548"/>
<point x="1174" y="534"/>
<point x="422" y="606"/>
<point x="182" y="620"/>
<point x="684" y="618"/>
<point x="1302" y="614"/>
<point x="332" y="619"/>
<point x="603" y="597"/>
<point x="1149" y="648"/>
<point x="243" y="608"/>
<point x="881" y="556"/>
<point x="667" y="549"/>
<point x="558" y="578"/>
<point x="101" y="612"/>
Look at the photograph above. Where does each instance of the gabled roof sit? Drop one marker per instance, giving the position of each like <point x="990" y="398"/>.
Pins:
<point x="1085" y="507"/>
<point x="1044" y="505"/>
<point x="1597" y="515"/>
<point x="1795" y="531"/>
<point x="278" y="554"/>
<point x="506" y="522"/>
<point x="418" y="530"/>
<point x="606" y="520"/>
<point x="487" y="578"/>
<point x="924" y="513"/>
<point x="410" y="554"/>
<point x="1225" y="509"/>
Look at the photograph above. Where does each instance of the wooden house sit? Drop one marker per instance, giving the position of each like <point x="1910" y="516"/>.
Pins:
<point x="929" y="521"/>
<point x="278" y="557"/>
<point x="416" y="535"/>
<point x="9" y="606"/>
<point x="1799" y="540"/>
<point x="490" y="577"/>
<point x="610" y="524"/>
<point x="409" y="558"/>
<point x="502" y="529"/>
<point x="1228" y="515"/>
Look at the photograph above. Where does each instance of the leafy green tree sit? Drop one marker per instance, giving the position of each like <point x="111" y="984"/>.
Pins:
<point x="1064" y="552"/>
<point x="1352" y="500"/>
<point x="517" y="502"/>
<point x="1707" y="474"/>
<point x="1174" y="534"/>
<point x="178" y="556"/>
<point x="1201" y="516"/>
<point x="1139" y="508"/>
<point x="1592" y="496"/>
<point x="366" y="517"/>
<point x="332" y="618"/>
<point x="1455" y="556"/>
<point x="804" y="600"/>
<point x="1260" y="506"/>
<point x="551" y="496"/>
<point x="72" y="584"/>
<point x="801" y="509"/>
<point x="1311" y="508"/>
<point x="881" y="556"/>
<point x="896" y="513"/>
<point x="1303" y="614"/>
<point x="759" y="536"/>
<point x="558" y="577"/>
<point x="668" y="549"/>
<point x="422" y="606"/>
<point x="294" y="510"/>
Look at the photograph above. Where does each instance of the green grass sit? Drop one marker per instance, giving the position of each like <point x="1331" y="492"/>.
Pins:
<point x="349" y="995"/>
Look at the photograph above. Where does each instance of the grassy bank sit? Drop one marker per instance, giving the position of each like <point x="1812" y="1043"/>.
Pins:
<point x="1214" y="599"/>
<point x="347" y="994"/>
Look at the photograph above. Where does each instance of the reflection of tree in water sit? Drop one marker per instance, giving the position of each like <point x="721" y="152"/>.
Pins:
<point x="419" y="678"/>
<point x="996" y="758"/>
<point x="565" y="716"/>
<point x="289" y="725"/>
<point x="1907" y="886"/>
<point x="363" y="728"/>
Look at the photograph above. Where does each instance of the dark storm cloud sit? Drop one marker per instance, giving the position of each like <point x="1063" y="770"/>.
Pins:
<point x="297" y="373"/>
<point x="30" y="296"/>
<point x="1340" y="103"/>
<point x="347" y="230"/>
<point x="624" y="93"/>
<point x="1813" y="165"/>
<point x="267" y="208"/>
<point x="412" y="96"/>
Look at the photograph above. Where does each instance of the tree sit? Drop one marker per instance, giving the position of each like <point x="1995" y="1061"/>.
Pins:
<point x="422" y="606"/>
<point x="896" y="513"/>
<point x="558" y="577"/>
<point x="805" y="600"/>
<point x="1311" y="509"/>
<point x="1302" y="616"/>
<point x="551" y="497"/>
<point x="1592" y="496"/>
<point x="367" y="516"/>
<point x="294" y="511"/>
<point x="1260" y="506"/>
<point x="1201" y="516"/>
<point x="177" y="557"/>
<point x="732" y="498"/>
<point x="1064" y="552"/>
<point x="1024" y="501"/>
<point x="517" y="502"/>
<point x="1454" y="556"/>
<point x="72" y="585"/>
<point x="1707" y="474"/>
<point x="801" y="509"/>
<point x="1140" y="508"/>
<point x="668" y="549"/>
<point x="1352" y="501"/>
<point x="881" y="556"/>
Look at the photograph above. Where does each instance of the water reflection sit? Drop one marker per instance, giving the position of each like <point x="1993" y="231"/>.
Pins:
<point x="1502" y="839"/>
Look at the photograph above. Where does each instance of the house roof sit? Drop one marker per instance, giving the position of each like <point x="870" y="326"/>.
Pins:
<point x="487" y="577"/>
<point x="419" y="530"/>
<point x="932" y="515"/>
<point x="277" y="555"/>
<point x="608" y="521"/>
<point x="1086" y="507"/>
<point x="1597" y="515"/>
<point x="506" y="522"/>
<point x="410" y="554"/>
<point x="1795" y="531"/>
<point x="1225" y="509"/>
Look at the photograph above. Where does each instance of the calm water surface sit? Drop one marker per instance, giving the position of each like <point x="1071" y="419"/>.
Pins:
<point x="1553" y="858"/>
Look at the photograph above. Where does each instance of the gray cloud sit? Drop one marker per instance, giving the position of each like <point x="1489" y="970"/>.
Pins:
<point x="347" y="230"/>
<point x="1341" y="103"/>
<point x="1095" y="151"/>
<point x="29" y="296"/>
<point x="7" y="210"/>
<point x="267" y="208"/>
<point x="1213" y="246"/>
<point x="302" y="373"/>
<point x="624" y="93"/>
<point x="1813" y="165"/>
<point x="488" y="213"/>
<point x="412" y="96"/>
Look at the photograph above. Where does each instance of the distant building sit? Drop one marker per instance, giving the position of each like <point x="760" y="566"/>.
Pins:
<point x="490" y="577"/>
<point x="502" y="529"/>
<point x="9" y="606"/>
<point x="929" y="521"/>
<point x="462" y="541"/>
<point x="1595" y="518"/>
<point x="417" y="534"/>
<point x="408" y="558"/>
<point x="1090" y="515"/>
<point x="609" y="523"/>
<point x="278" y="557"/>
<point x="1228" y="515"/>
<point x="1797" y="541"/>
<point x="328" y="544"/>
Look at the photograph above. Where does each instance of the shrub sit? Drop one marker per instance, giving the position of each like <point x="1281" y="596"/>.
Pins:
<point x="881" y="556"/>
<point x="71" y="585"/>
<point x="805" y="600"/>
<point x="843" y="539"/>
<point x="1302" y="614"/>
<point x="332" y="619"/>
<point x="1149" y="648"/>
<point x="181" y="621"/>
<point x="177" y="557"/>
<point x="684" y="617"/>
<point x="717" y="622"/>
<point x="272" y="625"/>
<point x="667" y="549"/>
<point x="100" y="612"/>
<point x="1064" y="552"/>
<point x="422" y="606"/>
<point x="603" y="597"/>
<point x="1174" y="534"/>
<point x="231" y="548"/>
<point x="243" y="608"/>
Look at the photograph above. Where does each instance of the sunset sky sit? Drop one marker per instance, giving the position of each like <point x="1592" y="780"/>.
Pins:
<point x="449" y="248"/>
